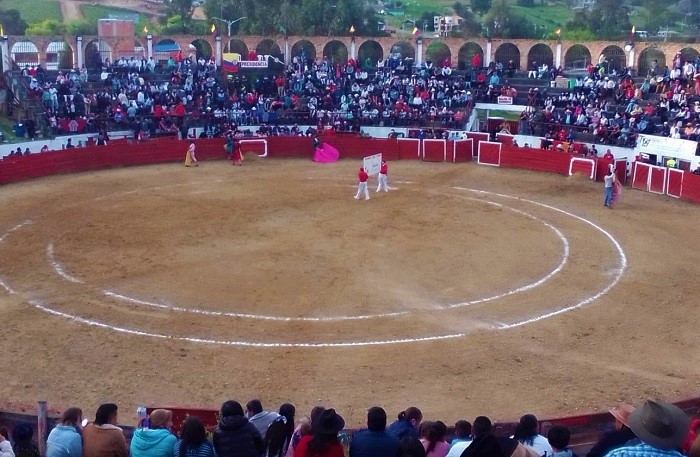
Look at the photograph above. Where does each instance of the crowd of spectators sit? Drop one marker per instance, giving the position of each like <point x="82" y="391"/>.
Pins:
<point x="613" y="109"/>
<point x="653" y="429"/>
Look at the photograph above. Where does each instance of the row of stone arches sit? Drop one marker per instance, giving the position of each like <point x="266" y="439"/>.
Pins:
<point x="61" y="54"/>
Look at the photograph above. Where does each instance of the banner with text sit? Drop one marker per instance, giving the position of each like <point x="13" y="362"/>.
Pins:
<point x="667" y="147"/>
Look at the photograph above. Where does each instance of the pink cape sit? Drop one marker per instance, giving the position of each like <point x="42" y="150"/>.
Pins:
<point x="617" y="193"/>
<point x="326" y="154"/>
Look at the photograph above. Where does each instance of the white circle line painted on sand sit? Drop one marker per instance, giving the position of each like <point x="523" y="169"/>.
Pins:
<point x="618" y="275"/>
<point x="95" y="323"/>
<point x="137" y="301"/>
<point x="6" y="287"/>
<point x="58" y="268"/>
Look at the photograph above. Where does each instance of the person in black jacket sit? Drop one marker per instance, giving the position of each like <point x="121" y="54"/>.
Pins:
<point x="235" y="436"/>
<point x="615" y="438"/>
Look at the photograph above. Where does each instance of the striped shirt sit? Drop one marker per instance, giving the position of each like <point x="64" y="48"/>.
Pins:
<point x="203" y="450"/>
<point x="642" y="450"/>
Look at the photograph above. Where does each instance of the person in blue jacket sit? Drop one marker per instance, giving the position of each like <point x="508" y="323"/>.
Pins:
<point x="66" y="440"/>
<point x="157" y="440"/>
<point x="407" y="424"/>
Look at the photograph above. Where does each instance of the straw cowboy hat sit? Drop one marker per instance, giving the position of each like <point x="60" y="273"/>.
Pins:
<point x="660" y="425"/>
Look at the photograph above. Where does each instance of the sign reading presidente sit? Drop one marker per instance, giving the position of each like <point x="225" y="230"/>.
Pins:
<point x="253" y="63"/>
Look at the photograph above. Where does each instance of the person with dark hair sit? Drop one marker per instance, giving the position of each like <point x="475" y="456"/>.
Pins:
<point x="193" y="440"/>
<point x="23" y="446"/>
<point x="303" y="429"/>
<point x="526" y="433"/>
<point x="375" y="441"/>
<point x="407" y="424"/>
<point x="618" y="437"/>
<point x="259" y="418"/>
<point x="559" y="438"/>
<point x="279" y="433"/>
<point x="65" y="439"/>
<point x="324" y="441"/>
<point x="410" y="446"/>
<point x="235" y="436"/>
<point x="103" y="438"/>
<point x="486" y="444"/>
<point x="5" y="445"/>
<point x="462" y="439"/>
<point x="435" y="443"/>
<point x="157" y="440"/>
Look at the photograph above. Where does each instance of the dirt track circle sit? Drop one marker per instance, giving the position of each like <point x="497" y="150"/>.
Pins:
<point x="278" y="256"/>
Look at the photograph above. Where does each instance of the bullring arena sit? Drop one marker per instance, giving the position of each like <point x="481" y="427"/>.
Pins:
<point x="465" y="290"/>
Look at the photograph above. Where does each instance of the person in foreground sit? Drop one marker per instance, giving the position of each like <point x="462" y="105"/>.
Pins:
<point x="235" y="436"/>
<point x="324" y="441"/>
<point x="193" y="440"/>
<point x="661" y="428"/>
<point x="375" y="441"/>
<point x="103" y="438"/>
<point x="618" y="437"/>
<point x="157" y="440"/>
<point x="65" y="439"/>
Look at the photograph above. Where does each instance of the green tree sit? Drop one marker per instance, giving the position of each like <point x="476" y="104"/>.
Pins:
<point x="481" y="6"/>
<point x="47" y="27"/>
<point x="12" y="22"/>
<point x="609" y="19"/>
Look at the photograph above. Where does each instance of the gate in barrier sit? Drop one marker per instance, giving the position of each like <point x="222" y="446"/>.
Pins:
<point x="674" y="182"/>
<point x="489" y="153"/>
<point x="650" y="178"/>
<point x="621" y="170"/>
<point x="462" y="150"/>
<point x="434" y="150"/>
<point x="476" y="137"/>
<point x="581" y="165"/>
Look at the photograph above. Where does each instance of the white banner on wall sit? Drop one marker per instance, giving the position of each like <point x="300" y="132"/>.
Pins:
<point x="669" y="147"/>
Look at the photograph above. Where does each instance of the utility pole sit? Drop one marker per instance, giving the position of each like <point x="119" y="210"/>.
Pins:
<point x="229" y="24"/>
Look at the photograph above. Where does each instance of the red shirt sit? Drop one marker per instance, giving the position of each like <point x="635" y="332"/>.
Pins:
<point x="362" y="176"/>
<point x="384" y="169"/>
<point x="302" y="449"/>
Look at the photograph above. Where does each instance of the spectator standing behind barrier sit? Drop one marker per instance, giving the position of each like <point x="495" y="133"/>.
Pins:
<point x="260" y="419"/>
<point x="526" y="433"/>
<point x="559" y="438"/>
<point x="23" y="446"/>
<point x="5" y="445"/>
<point x="374" y="441"/>
<point x="661" y="428"/>
<point x="235" y="436"/>
<point x="65" y="439"/>
<point x="324" y="441"/>
<point x="618" y="437"/>
<point x="103" y="438"/>
<point x="407" y="424"/>
<point x="383" y="181"/>
<point x="462" y="440"/>
<point x="193" y="440"/>
<point x="157" y="440"/>
<point x="279" y="433"/>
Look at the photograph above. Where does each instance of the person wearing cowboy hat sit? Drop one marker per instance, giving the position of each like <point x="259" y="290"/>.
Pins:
<point x="618" y="437"/>
<point x="661" y="428"/>
<point x="324" y="441"/>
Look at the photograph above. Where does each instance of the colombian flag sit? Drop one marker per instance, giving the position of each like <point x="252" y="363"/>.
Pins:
<point x="230" y="62"/>
<point x="416" y="32"/>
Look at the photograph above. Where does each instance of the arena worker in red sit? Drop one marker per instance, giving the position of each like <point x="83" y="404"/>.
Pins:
<point x="362" y="177"/>
<point x="383" y="182"/>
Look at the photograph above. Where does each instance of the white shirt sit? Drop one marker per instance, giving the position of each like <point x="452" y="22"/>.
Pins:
<point x="609" y="180"/>
<point x="457" y="449"/>
<point x="539" y="443"/>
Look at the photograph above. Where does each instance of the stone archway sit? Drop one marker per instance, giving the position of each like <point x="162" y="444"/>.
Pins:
<point x="336" y="52"/>
<point x="466" y="53"/>
<point x="268" y="47"/>
<point x="507" y="52"/>
<point x="437" y="52"/>
<point x="371" y="50"/>
<point x="689" y="54"/>
<point x="25" y="53"/>
<point x="165" y="49"/>
<point x="541" y="54"/>
<point x="59" y="56"/>
<point x="96" y="53"/>
<point x="304" y="49"/>
<point x="202" y="49"/>
<point x="404" y="48"/>
<point x="237" y="46"/>
<point x="646" y="60"/>
<point x="617" y="60"/>
<point x="128" y="48"/>
<point x="577" y="57"/>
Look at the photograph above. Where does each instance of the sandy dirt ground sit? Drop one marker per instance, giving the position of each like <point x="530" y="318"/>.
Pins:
<point x="216" y="265"/>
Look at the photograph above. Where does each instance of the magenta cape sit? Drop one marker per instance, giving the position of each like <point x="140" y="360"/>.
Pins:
<point x="326" y="154"/>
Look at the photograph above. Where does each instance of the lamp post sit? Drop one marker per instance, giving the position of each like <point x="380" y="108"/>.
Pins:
<point x="229" y="24"/>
